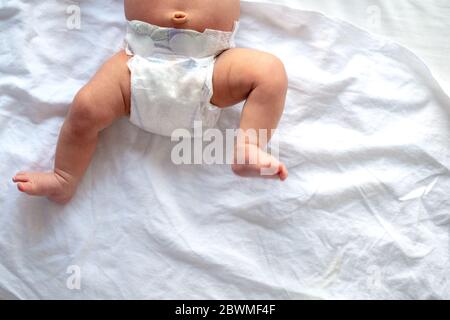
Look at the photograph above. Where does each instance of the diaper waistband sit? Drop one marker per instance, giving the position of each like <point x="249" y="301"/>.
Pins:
<point x="145" y="39"/>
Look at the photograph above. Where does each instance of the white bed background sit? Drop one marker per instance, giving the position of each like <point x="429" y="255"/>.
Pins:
<point x="422" y="26"/>
<point x="366" y="135"/>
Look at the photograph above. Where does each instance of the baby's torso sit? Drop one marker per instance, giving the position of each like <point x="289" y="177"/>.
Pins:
<point x="182" y="14"/>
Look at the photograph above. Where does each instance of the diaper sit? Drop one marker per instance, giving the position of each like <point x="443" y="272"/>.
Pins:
<point x="171" y="76"/>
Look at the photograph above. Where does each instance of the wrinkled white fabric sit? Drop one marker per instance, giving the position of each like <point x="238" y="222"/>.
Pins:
<point x="364" y="214"/>
<point x="423" y="26"/>
<point x="171" y="76"/>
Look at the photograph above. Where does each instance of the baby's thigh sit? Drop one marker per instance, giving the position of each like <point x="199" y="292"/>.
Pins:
<point x="108" y="92"/>
<point x="236" y="73"/>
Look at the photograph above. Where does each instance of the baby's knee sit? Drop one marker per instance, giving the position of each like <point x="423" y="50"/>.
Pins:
<point x="82" y="117"/>
<point x="271" y="73"/>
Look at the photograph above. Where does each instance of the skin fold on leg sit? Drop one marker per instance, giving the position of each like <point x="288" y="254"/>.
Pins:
<point x="103" y="100"/>
<point x="259" y="78"/>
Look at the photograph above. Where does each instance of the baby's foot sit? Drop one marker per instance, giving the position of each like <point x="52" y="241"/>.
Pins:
<point x="257" y="163"/>
<point x="51" y="185"/>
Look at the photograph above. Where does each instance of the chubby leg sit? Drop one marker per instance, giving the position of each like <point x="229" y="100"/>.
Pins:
<point x="259" y="78"/>
<point x="96" y="106"/>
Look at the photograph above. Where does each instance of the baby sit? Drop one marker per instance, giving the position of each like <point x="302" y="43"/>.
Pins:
<point x="179" y="68"/>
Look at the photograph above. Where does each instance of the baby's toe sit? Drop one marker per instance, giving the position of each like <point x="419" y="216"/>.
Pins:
<point x="283" y="172"/>
<point x="21" y="177"/>
<point x="26" y="187"/>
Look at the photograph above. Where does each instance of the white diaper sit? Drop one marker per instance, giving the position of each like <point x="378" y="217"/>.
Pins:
<point x="171" y="76"/>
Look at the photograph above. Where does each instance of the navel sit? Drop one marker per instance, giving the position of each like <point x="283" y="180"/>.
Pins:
<point x="179" y="17"/>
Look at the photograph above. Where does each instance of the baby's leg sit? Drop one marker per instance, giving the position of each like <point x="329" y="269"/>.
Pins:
<point x="104" y="99"/>
<point x="260" y="78"/>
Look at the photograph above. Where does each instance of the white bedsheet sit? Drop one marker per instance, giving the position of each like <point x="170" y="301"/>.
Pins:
<point x="422" y="26"/>
<point x="364" y="214"/>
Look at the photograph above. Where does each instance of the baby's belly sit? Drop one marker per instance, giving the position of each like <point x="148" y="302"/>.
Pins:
<point x="194" y="14"/>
